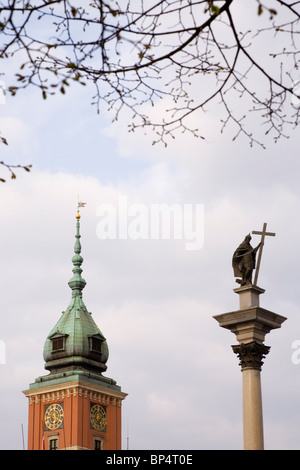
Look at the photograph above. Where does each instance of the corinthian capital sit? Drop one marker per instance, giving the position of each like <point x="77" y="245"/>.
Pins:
<point x="251" y="355"/>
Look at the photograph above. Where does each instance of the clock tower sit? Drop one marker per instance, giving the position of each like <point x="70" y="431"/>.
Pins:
<point x="75" y="406"/>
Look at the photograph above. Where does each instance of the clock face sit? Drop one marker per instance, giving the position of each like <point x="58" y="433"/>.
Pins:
<point x="54" y="416"/>
<point x="98" y="417"/>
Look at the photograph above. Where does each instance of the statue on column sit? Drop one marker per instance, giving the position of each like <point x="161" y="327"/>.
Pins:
<point x="243" y="261"/>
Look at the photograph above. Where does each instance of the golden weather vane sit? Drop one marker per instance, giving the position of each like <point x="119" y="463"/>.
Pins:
<point x="79" y="204"/>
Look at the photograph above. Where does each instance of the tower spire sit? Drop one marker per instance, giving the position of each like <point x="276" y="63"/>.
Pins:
<point x="75" y="406"/>
<point x="77" y="283"/>
<point x="77" y="328"/>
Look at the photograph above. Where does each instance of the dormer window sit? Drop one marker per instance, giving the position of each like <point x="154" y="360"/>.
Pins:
<point x="96" y="343"/>
<point x="58" y="342"/>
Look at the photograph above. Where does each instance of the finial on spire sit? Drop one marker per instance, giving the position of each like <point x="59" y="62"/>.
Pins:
<point x="80" y="204"/>
<point x="77" y="283"/>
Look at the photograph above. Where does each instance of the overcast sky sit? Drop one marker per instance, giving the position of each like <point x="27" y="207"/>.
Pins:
<point x="154" y="300"/>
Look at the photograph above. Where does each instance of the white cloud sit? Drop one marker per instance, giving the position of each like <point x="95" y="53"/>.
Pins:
<point x="22" y="143"/>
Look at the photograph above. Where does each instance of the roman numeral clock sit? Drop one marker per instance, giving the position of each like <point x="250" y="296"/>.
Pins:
<point x="98" y="417"/>
<point x="54" y="417"/>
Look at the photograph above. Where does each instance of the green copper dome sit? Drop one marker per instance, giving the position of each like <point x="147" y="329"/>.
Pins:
<point x="75" y="343"/>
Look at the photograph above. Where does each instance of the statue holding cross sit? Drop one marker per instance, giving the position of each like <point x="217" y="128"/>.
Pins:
<point x="244" y="258"/>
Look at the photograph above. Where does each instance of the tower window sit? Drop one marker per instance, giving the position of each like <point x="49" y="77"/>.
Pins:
<point x="97" y="444"/>
<point x="58" y="344"/>
<point x="58" y="341"/>
<point x="95" y="344"/>
<point x="53" y="444"/>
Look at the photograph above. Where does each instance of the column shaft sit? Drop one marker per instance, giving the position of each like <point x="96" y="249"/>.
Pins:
<point x="252" y="410"/>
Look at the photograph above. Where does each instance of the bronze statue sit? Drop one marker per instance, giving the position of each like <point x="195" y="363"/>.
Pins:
<point x="243" y="261"/>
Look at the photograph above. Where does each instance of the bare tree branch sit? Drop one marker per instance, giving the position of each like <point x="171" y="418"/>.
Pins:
<point x="141" y="53"/>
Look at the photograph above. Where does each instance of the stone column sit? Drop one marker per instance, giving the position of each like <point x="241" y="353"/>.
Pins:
<point x="250" y="324"/>
<point x="251" y="355"/>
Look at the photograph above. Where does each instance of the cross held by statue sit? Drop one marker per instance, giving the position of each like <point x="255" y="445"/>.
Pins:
<point x="263" y="234"/>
